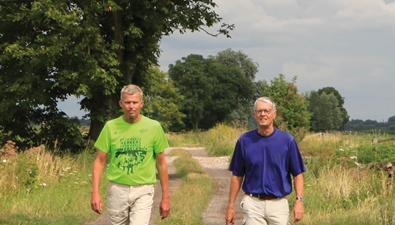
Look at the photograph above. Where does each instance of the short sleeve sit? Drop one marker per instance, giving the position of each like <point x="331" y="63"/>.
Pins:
<point x="296" y="164"/>
<point x="237" y="165"/>
<point x="161" y="142"/>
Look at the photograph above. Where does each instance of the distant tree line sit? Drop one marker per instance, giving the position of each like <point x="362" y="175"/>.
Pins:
<point x="371" y="125"/>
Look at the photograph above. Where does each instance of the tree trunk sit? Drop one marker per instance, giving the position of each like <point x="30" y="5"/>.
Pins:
<point x="102" y="108"/>
<point x="95" y="128"/>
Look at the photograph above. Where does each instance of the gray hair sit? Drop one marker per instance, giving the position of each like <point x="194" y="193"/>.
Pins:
<point x="266" y="100"/>
<point x="131" y="89"/>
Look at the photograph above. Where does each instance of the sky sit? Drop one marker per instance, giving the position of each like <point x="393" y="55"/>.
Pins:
<point x="345" y="44"/>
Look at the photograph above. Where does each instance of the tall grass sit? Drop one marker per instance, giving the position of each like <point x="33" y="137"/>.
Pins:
<point x="218" y="141"/>
<point x="187" y="139"/>
<point x="37" y="187"/>
<point x="340" y="186"/>
<point x="342" y="195"/>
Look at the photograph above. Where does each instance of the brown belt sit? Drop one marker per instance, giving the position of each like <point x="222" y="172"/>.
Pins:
<point x="262" y="197"/>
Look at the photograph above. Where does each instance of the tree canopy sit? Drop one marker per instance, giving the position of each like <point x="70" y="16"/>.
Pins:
<point x="328" y="112"/>
<point x="161" y="100"/>
<point x="344" y="115"/>
<point x="55" y="48"/>
<point x="213" y="87"/>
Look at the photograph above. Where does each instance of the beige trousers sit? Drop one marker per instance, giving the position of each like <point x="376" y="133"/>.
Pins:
<point x="129" y="204"/>
<point x="264" y="212"/>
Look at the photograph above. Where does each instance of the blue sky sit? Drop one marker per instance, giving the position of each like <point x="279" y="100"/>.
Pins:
<point x="345" y="44"/>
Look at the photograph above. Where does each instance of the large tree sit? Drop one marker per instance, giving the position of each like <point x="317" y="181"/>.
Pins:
<point x="340" y="99"/>
<point x="327" y="108"/>
<point x="212" y="87"/>
<point x="55" y="48"/>
<point x="326" y="113"/>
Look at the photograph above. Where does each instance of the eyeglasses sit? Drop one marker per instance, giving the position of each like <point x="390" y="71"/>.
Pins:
<point x="264" y="111"/>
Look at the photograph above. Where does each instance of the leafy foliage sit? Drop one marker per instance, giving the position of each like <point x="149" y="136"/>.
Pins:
<point x="328" y="112"/>
<point x="55" y="48"/>
<point x="344" y="115"/>
<point x="292" y="107"/>
<point x="161" y="100"/>
<point x="212" y="87"/>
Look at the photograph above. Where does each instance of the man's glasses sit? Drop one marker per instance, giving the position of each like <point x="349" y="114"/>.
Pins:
<point x="264" y="111"/>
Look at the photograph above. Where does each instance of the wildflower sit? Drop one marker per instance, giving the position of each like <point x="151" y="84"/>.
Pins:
<point x="340" y="149"/>
<point x="43" y="184"/>
<point x="67" y="168"/>
<point x="353" y="157"/>
<point x="4" y="160"/>
<point x="358" y="164"/>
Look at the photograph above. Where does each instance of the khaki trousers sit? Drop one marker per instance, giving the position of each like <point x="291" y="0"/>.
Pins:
<point x="129" y="204"/>
<point x="264" y="212"/>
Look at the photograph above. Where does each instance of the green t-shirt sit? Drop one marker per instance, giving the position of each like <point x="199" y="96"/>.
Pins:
<point x="131" y="149"/>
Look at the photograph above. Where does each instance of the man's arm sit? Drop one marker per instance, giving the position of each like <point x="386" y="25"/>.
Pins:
<point x="235" y="184"/>
<point x="98" y="166"/>
<point x="161" y="166"/>
<point x="299" y="189"/>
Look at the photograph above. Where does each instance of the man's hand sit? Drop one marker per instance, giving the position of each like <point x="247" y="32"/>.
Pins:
<point x="96" y="203"/>
<point x="98" y="166"/>
<point x="298" y="211"/>
<point x="164" y="208"/>
<point x="230" y="214"/>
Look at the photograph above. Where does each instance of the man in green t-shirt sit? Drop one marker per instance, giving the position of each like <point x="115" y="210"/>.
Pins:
<point x="131" y="146"/>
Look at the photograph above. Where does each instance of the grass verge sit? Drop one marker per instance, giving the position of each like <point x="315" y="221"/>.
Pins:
<point x="193" y="195"/>
<point x="46" y="189"/>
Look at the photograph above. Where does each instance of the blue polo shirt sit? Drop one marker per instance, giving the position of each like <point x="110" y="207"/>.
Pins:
<point x="267" y="162"/>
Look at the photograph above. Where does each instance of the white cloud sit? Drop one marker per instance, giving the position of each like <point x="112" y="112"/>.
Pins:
<point x="347" y="44"/>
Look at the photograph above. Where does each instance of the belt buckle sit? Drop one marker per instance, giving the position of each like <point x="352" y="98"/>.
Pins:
<point x="262" y="197"/>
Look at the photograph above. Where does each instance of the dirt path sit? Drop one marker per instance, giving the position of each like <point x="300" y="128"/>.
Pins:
<point x="216" y="167"/>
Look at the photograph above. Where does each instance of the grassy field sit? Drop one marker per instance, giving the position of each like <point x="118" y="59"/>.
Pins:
<point x="37" y="187"/>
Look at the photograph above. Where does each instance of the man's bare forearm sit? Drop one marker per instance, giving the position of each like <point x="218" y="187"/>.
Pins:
<point x="161" y="165"/>
<point x="299" y="184"/>
<point x="235" y="184"/>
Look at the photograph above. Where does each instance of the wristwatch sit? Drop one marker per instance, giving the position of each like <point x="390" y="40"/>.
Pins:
<point x="299" y="198"/>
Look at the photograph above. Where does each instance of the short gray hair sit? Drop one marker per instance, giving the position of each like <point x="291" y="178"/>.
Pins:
<point x="266" y="100"/>
<point x="131" y="89"/>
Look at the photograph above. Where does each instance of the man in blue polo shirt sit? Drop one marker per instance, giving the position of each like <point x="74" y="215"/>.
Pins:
<point x="264" y="161"/>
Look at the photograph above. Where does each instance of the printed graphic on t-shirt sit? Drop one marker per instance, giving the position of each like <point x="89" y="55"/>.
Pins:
<point x="130" y="154"/>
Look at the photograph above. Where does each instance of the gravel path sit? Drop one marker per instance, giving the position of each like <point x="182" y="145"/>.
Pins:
<point x="217" y="168"/>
